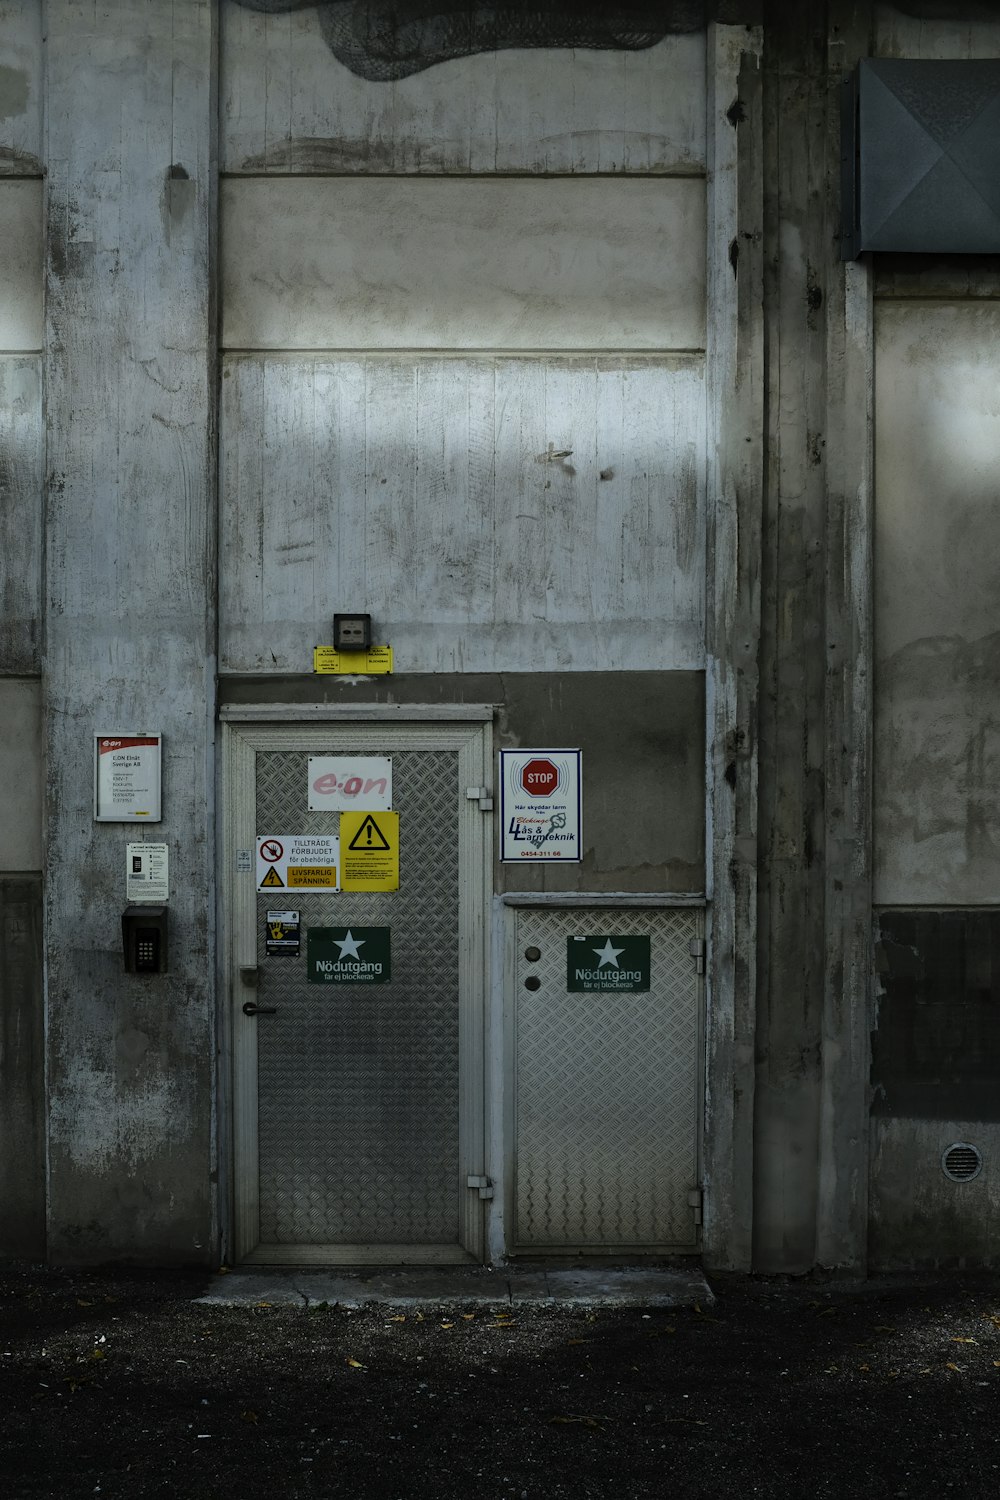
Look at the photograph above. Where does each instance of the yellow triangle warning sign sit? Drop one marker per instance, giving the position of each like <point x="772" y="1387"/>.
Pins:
<point x="272" y="878"/>
<point x="369" y="836"/>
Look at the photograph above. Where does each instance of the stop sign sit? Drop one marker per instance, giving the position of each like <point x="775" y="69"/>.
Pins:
<point x="539" y="777"/>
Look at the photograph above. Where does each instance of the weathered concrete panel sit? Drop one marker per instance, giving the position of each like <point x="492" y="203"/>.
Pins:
<point x="477" y="264"/>
<point x="491" y="515"/>
<point x="919" y="1217"/>
<point x="289" y="105"/>
<point x="936" y="31"/>
<point x="20" y="263"/>
<point x="20" y="88"/>
<point x="21" y="438"/>
<point x="129" y="371"/>
<point x="22" y="1074"/>
<point x="21" y="773"/>
<point x="937" y="693"/>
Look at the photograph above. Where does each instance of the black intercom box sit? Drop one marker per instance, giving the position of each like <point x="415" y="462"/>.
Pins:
<point x="144" y="939"/>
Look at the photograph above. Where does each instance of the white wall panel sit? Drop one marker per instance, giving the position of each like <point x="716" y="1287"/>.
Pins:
<point x="491" y="514"/>
<point x="288" y="105"/>
<point x="20" y="87"/>
<point x="937" y="603"/>
<point x="21" y="274"/>
<point x="449" y="264"/>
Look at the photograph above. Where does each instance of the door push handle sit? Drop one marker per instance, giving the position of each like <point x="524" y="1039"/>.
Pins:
<point x="250" y="1009"/>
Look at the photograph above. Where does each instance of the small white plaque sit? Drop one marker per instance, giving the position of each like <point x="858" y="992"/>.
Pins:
<point x="147" y="872"/>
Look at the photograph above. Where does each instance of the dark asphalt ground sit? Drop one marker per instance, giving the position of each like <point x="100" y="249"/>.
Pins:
<point x="120" y="1384"/>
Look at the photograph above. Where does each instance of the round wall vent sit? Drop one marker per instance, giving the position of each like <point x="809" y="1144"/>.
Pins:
<point x="961" y="1161"/>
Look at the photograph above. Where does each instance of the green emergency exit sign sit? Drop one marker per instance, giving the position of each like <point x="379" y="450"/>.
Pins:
<point x="348" y="955"/>
<point x="609" y="963"/>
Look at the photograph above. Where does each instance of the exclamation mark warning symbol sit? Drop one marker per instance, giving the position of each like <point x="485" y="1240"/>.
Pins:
<point x="369" y="836"/>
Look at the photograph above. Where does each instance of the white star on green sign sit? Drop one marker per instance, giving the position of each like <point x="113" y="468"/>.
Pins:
<point x="608" y="955"/>
<point x="349" y="945"/>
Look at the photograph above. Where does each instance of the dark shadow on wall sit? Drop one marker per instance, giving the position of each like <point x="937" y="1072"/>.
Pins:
<point x="383" y="40"/>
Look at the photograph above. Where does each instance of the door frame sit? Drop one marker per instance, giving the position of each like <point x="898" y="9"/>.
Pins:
<point x="381" y="729"/>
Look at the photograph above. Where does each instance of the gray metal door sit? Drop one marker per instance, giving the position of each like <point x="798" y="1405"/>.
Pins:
<point x="608" y="1094"/>
<point x="368" y="1097"/>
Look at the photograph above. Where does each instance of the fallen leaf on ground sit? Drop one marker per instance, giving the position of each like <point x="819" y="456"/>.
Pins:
<point x="950" y="1366"/>
<point x="965" y="1341"/>
<point x="579" y="1421"/>
<point x="355" y="1364"/>
<point x="398" y="1318"/>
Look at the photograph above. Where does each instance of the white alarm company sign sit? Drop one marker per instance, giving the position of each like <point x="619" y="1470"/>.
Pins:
<point x="541" y="813"/>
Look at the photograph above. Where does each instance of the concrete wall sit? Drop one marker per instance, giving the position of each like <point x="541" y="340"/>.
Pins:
<point x="936" y="834"/>
<point x="22" y="1074"/>
<point x="130" y="638"/>
<point x="564" y="498"/>
<point x="937" y="704"/>
<point x="491" y="514"/>
<point x="289" y="104"/>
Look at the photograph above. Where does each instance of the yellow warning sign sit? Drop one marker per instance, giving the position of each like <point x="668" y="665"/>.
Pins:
<point x="377" y="660"/>
<point x="272" y="878"/>
<point x="369" y="851"/>
<point x="310" y="876"/>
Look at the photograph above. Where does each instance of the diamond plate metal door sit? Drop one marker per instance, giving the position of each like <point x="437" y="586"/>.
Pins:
<point x="607" y="1093"/>
<point x="357" y="1086"/>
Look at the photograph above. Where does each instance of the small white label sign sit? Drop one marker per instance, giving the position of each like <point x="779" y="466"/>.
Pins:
<point x="147" y="872"/>
<point x="340" y="783"/>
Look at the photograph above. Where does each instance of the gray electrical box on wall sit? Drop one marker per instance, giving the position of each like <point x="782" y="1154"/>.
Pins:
<point x="921" y="157"/>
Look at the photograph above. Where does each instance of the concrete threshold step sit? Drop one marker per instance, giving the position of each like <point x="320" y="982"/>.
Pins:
<point x="464" y="1286"/>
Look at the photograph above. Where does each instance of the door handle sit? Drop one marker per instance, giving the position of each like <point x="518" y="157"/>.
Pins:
<point x="250" y="1009"/>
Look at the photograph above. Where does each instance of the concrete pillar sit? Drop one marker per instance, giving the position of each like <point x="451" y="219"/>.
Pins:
<point x="129" y="368"/>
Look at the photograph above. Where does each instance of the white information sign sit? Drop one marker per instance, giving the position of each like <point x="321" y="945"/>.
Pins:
<point x="341" y="783"/>
<point x="127" y="777"/>
<point x="541" y="813"/>
<point x="147" y="872"/>
<point x="298" y="862"/>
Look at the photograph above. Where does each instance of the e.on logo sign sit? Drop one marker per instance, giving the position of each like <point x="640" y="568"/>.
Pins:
<point x="338" y="783"/>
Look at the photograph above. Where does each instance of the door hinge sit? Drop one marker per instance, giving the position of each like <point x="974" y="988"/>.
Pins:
<point x="696" y="1202"/>
<point x="480" y="794"/>
<point x="483" y="1184"/>
<point x="696" y="948"/>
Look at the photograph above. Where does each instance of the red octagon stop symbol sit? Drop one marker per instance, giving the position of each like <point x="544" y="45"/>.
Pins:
<point x="539" y="777"/>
